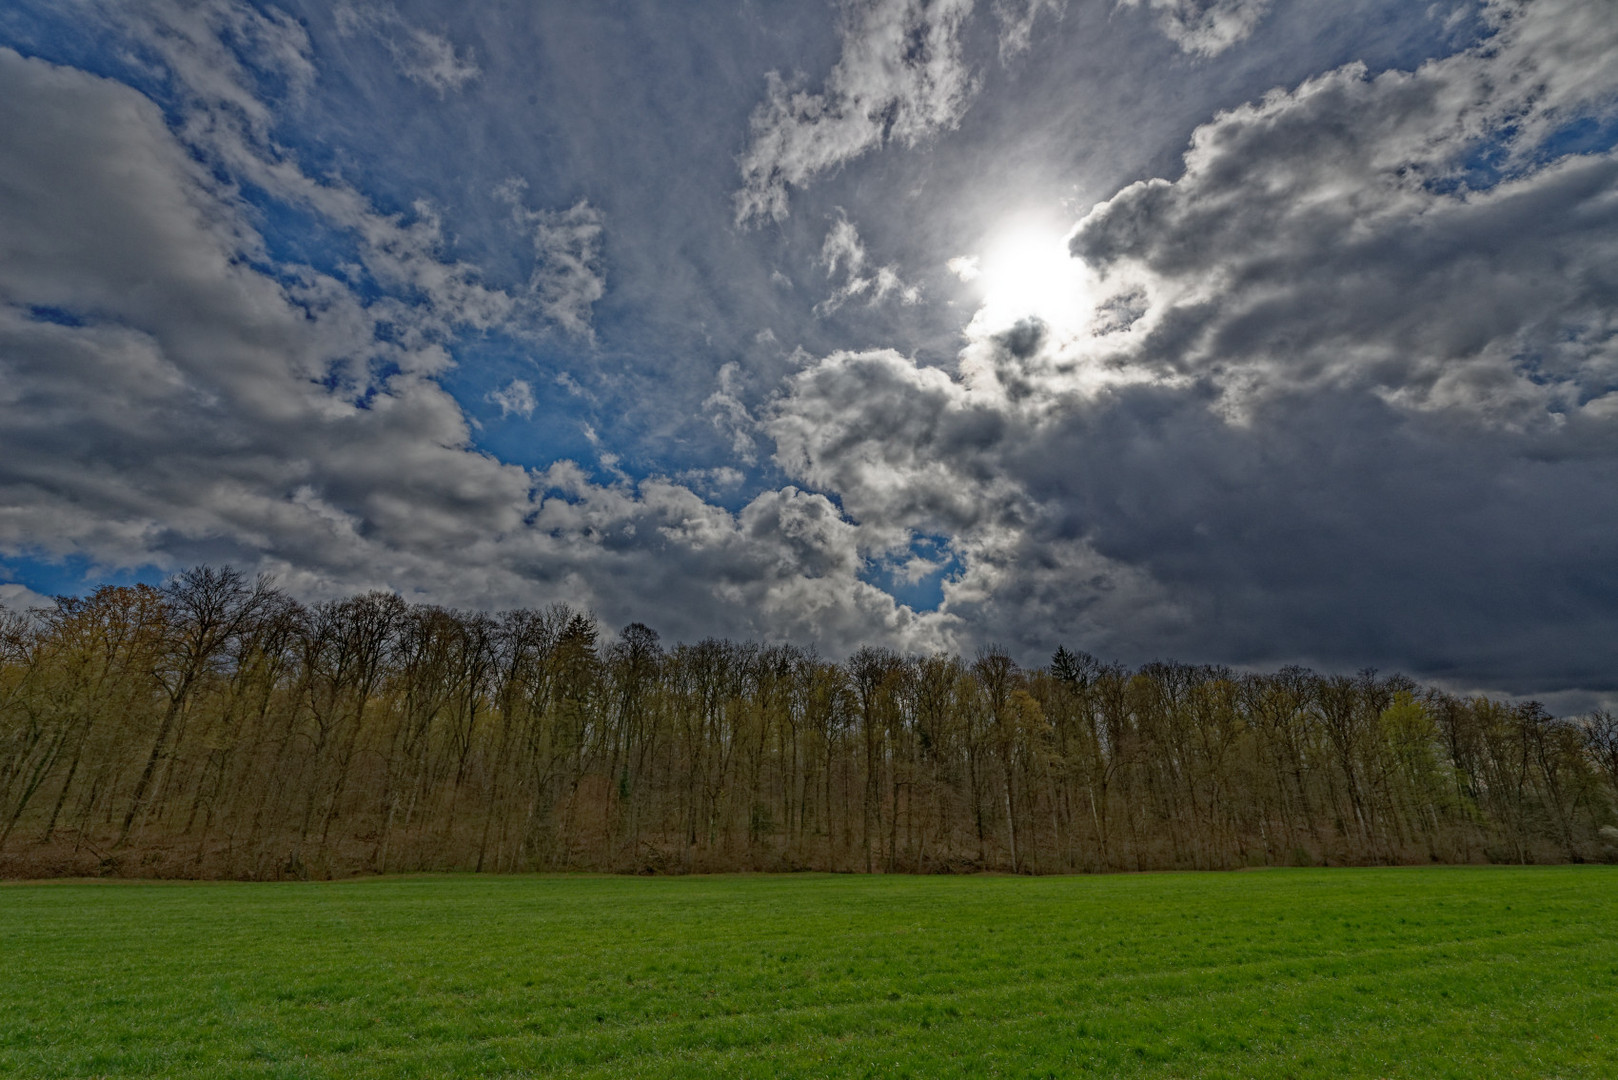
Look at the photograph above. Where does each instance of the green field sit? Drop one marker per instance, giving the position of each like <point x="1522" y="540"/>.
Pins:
<point x="1443" y="972"/>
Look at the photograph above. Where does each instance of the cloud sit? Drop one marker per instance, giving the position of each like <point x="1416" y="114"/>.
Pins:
<point x="843" y="254"/>
<point x="1205" y="27"/>
<point x="1341" y="390"/>
<point x="966" y="267"/>
<point x="515" y="397"/>
<point x="569" y="276"/>
<point x="902" y="77"/>
<point x="1341" y="397"/>
<point x="786" y="566"/>
<point x="730" y="415"/>
<point x="170" y="394"/>
<point x="20" y="599"/>
<point x="420" y="55"/>
<point x="1017" y="19"/>
<point x="1340" y="234"/>
<point x="159" y="410"/>
<point x="226" y="121"/>
<point x="895" y="442"/>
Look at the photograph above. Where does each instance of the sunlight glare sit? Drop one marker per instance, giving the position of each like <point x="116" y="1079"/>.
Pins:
<point x="1027" y="271"/>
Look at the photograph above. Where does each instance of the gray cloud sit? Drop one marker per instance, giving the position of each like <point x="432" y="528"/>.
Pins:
<point x="897" y="442"/>
<point x="420" y="55"/>
<point x="1205" y="27"/>
<point x="1332" y="234"/>
<point x="186" y="402"/>
<point x="843" y="255"/>
<point x="1343" y="399"/>
<point x="168" y="394"/>
<point x="1341" y="390"/>
<point x="568" y="276"/>
<point x="902" y="77"/>
<point x="1017" y="19"/>
<point x="227" y="123"/>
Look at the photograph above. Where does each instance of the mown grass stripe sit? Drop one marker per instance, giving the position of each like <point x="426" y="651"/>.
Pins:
<point x="1441" y="972"/>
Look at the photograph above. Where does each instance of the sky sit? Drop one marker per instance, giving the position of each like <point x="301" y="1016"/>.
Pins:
<point x="1249" y="332"/>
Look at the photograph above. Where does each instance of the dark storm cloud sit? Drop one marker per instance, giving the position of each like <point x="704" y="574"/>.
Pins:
<point x="1336" y="528"/>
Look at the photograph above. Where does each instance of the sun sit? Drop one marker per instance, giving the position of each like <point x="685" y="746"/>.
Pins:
<point x="1025" y="271"/>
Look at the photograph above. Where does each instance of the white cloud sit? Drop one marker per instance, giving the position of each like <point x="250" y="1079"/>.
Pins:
<point x="902" y="77"/>
<point x="208" y="403"/>
<point x="1206" y="27"/>
<point x="890" y="439"/>
<point x="1017" y="19"/>
<point x="420" y="55"/>
<point x="730" y="415"/>
<point x="515" y="397"/>
<point x="1333" y="368"/>
<point x="20" y="599"/>
<point x="228" y="124"/>
<point x="569" y="277"/>
<point x="713" y="481"/>
<point x="966" y="267"/>
<point x="843" y="254"/>
<point x="786" y="566"/>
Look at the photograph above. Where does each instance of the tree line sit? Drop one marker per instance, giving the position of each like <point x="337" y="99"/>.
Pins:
<point x="215" y="727"/>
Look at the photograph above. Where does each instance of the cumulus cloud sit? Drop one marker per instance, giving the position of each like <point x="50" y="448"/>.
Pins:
<point x="730" y="415"/>
<point x="1340" y="392"/>
<point x="171" y="394"/>
<point x="1339" y="233"/>
<point x="155" y="402"/>
<point x="420" y="55"/>
<point x="514" y="397"/>
<point x="902" y="77"/>
<point x="844" y="257"/>
<point x="895" y="441"/>
<point x="1337" y="400"/>
<point x="226" y="121"/>
<point x="569" y="275"/>
<point x="1205" y="27"/>
<point x="786" y="566"/>
<point x="20" y="599"/>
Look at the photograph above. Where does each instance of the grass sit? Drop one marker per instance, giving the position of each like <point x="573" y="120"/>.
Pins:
<point x="1443" y="972"/>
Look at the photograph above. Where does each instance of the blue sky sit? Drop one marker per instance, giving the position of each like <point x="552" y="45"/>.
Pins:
<point x="1245" y="331"/>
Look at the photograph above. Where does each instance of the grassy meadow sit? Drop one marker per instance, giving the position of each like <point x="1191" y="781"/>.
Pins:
<point x="1441" y="972"/>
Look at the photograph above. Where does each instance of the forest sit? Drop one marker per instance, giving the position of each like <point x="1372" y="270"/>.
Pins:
<point x="217" y="728"/>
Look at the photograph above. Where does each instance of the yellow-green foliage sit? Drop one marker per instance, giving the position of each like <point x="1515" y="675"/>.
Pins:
<point x="216" y="728"/>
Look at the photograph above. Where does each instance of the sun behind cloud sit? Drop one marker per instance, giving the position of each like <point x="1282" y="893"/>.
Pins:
<point x="1025" y="271"/>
